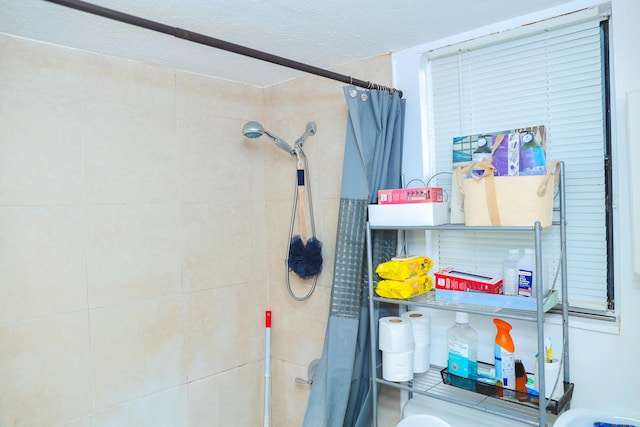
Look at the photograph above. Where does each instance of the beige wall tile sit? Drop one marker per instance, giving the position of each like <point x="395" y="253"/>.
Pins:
<point x="216" y="244"/>
<point x="45" y="370"/>
<point x="131" y="155"/>
<point x="376" y="69"/>
<point x="291" y="99"/>
<point x="290" y="398"/>
<point x="298" y="328"/>
<point x="120" y="81"/>
<point x="40" y="149"/>
<point x="234" y="398"/>
<point x="137" y="350"/>
<point x="133" y="252"/>
<point x="164" y="409"/>
<point x="221" y="329"/>
<point x="28" y="67"/>
<point x="42" y="268"/>
<point x="260" y="247"/>
<point x="278" y="221"/>
<point x="330" y="156"/>
<point x="196" y="94"/>
<point x="214" y="160"/>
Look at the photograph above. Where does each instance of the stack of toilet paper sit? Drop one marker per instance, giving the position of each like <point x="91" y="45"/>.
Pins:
<point x="405" y="345"/>
<point x="421" y="324"/>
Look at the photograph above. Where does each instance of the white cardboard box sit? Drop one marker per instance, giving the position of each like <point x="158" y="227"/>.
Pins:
<point x="410" y="214"/>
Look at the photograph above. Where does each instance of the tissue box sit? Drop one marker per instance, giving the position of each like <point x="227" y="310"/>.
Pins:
<point x="409" y="214"/>
<point x="452" y="280"/>
<point x="410" y="195"/>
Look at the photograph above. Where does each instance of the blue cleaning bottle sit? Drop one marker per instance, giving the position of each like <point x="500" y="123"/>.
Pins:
<point x="463" y="353"/>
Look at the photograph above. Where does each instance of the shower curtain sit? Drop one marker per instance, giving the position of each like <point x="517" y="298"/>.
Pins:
<point x="341" y="392"/>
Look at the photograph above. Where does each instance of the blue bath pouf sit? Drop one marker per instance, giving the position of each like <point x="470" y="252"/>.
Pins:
<point x="305" y="260"/>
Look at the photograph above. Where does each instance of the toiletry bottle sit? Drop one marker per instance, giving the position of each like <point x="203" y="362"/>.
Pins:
<point x="510" y="273"/>
<point x="521" y="382"/>
<point x="463" y="353"/>
<point x="483" y="151"/>
<point x="526" y="274"/>
<point x="532" y="157"/>
<point x="504" y="360"/>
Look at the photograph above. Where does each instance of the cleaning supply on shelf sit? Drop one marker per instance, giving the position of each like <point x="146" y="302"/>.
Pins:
<point x="526" y="274"/>
<point x="482" y="152"/>
<point x="504" y="360"/>
<point x="404" y="267"/>
<point x="521" y="382"/>
<point x="401" y="289"/>
<point x="510" y="273"/>
<point x="532" y="156"/>
<point x="548" y="349"/>
<point x="462" y="363"/>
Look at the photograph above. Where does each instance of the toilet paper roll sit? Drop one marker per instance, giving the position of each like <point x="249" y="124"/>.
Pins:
<point x="395" y="335"/>
<point x="421" y="324"/>
<point x="421" y="359"/>
<point x="397" y="366"/>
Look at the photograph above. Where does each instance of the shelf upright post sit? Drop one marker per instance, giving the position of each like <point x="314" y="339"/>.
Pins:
<point x="565" y="291"/>
<point x="540" y="379"/>
<point x="373" y="330"/>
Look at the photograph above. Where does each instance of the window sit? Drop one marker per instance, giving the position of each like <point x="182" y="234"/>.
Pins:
<point x="552" y="73"/>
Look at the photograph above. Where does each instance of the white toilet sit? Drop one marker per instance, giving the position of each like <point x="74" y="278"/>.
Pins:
<point x="452" y="415"/>
<point x="423" y="420"/>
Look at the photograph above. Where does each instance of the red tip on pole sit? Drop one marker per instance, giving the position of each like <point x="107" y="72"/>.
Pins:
<point x="268" y="319"/>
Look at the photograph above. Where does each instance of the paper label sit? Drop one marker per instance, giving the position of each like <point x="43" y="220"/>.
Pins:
<point x="525" y="282"/>
<point x="458" y="359"/>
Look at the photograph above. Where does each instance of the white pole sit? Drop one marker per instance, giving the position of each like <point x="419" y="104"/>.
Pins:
<point x="267" y="367"/>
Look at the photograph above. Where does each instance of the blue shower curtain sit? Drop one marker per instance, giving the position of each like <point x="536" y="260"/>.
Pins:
<point x="341" y="392"/>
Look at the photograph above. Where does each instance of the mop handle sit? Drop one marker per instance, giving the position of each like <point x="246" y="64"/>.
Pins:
<point x="301" y="212"/>
<point x="267" y="367"/>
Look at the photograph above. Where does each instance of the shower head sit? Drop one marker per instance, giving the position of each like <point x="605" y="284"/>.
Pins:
<point x="255" y="130"/>
<point x="252" y="130"/>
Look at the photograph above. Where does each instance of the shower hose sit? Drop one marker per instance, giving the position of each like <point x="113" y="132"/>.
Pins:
<point x="307" y="187"/>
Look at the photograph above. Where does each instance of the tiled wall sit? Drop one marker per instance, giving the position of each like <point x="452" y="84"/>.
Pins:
<point x="142" y="238"/>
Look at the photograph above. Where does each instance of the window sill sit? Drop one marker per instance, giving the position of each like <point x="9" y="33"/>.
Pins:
<point x="605" y="324"/>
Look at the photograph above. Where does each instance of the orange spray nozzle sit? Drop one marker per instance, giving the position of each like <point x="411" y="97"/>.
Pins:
<point x="503" y="338"/>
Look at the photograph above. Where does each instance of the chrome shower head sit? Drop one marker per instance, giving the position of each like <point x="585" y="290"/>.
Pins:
<point x="255" y="130"/>
<point x="252" y="130"/>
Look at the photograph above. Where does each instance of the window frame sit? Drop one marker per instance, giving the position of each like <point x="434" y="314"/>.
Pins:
<point x="609" y="157"/>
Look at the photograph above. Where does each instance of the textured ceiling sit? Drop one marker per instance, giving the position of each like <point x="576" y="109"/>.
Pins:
<point x="322" y="33"/>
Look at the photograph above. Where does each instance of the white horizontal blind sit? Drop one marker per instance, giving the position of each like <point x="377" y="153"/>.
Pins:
<point x="551" y="78"/>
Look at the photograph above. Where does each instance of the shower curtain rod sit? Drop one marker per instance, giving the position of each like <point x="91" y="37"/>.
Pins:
<point x="217" y="43"/>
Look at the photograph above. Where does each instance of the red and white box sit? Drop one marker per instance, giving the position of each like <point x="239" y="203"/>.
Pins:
<point x="452" y="280"/>
<point x="410" y="195"/>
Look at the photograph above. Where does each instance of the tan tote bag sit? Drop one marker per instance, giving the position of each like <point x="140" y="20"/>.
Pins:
<point x="490" y="200"/>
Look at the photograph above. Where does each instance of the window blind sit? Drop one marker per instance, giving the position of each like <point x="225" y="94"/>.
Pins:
<point x="551" y="77"/>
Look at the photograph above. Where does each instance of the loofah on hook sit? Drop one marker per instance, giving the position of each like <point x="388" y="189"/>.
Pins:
<point x="305" y="259"/>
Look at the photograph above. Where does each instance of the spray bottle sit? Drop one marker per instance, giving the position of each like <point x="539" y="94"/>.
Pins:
<point x="504" y="360"/>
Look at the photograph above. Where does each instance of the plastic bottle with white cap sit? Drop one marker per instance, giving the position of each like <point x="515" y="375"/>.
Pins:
<point x="462" y="363"/>
<point x="510" y="273"/>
